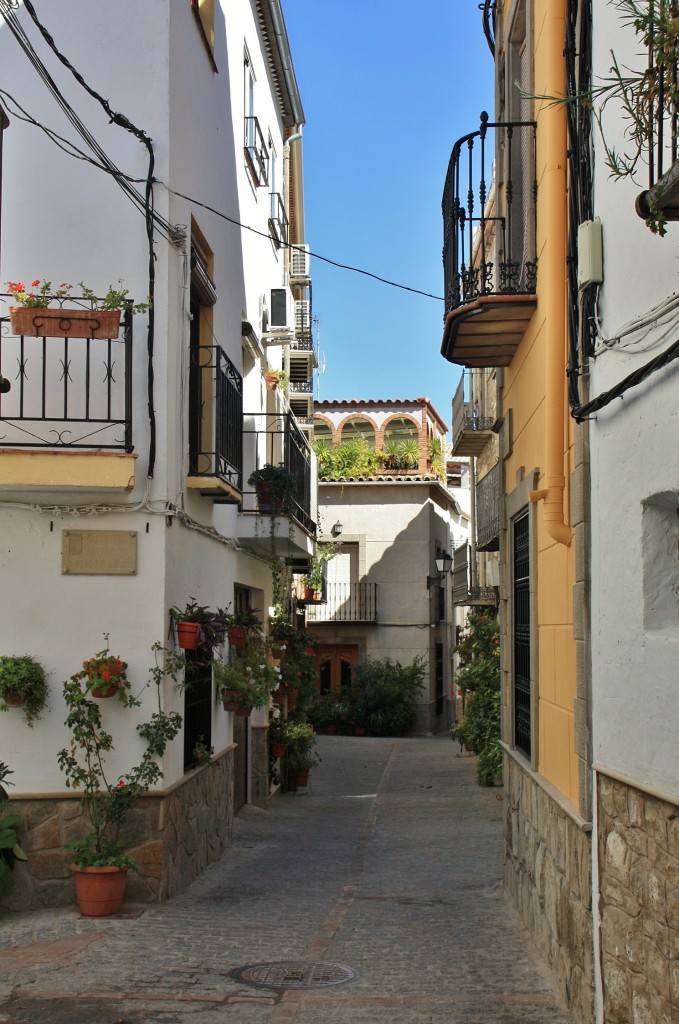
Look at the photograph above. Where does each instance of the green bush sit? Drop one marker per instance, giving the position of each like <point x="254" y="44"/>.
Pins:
<point x="384" y="695"/>
<point x="479" y="675"/>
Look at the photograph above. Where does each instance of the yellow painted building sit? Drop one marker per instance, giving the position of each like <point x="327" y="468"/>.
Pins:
<point x="507" y="305"/>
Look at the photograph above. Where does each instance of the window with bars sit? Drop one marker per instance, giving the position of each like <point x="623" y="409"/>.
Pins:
<point x="522" y="639"/>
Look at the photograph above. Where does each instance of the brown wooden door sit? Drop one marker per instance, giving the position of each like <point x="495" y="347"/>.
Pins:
<point x="335" y="668"/>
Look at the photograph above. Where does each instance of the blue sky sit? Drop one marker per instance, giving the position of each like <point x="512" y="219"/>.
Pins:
<point x="387" y="88"/>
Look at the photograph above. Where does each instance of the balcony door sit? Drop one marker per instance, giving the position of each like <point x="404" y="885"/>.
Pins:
<point x="335" y="667"/>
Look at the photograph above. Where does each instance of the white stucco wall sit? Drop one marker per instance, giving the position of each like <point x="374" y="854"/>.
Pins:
<point x="64" y="220"/>
<point x="635" y="476"/>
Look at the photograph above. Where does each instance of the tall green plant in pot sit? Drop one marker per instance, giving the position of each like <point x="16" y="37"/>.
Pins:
<point x="479" y="679"/>
<point x="10" y="850"/>
<point x="100" y="857"/>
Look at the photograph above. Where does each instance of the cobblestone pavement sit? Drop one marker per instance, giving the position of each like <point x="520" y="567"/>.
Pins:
<point x="390" y="866"/>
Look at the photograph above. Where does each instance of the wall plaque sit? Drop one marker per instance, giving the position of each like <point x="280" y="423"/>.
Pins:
<point x="98" y="552"/>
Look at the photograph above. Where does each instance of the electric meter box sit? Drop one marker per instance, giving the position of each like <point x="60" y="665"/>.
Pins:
<point x="590" y="253"/>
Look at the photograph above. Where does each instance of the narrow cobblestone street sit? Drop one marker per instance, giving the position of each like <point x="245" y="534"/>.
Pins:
<point x="390" y="866"/>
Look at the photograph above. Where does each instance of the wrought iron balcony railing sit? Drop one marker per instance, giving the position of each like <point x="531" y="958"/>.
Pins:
<point x="464" y="593"/>
<point x="489" y="241"/>
<point x="346" y="602"/>
<point x="471" y="432"/>
<point x="488" y="9"/>
<point x="656" y="98"/>
<point x="489" y="246"/>
<point x="488" y="510"/>
<point x="278" y="220"/>
<point x="215" y="416"/>
<point x="275" y="439"/>
<point x="66" y="392"/>
<point x="256" y="152"/>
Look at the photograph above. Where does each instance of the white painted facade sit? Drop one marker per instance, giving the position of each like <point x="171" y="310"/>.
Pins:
<point x="634" y="469"/>
<point x="68" y="221"/>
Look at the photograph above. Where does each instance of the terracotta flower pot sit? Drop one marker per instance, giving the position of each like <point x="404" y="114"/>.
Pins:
<point x="233" y="703"/>
<point x="14" y="700"/>
<point x="189" y="635"/>
<point x="298" y="779"/>
<point x="278" y="650"/>
<point x="99" y="891"/>
<point x="237" y="636"/>
<point x="278" y="749"/>
<point x="65" y="323"/>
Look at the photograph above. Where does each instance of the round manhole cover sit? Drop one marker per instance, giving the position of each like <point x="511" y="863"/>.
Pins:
<point x="293" y="974"/>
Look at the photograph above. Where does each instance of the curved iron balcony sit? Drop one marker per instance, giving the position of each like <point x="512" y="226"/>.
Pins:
<point x="488" y="9"/>
<point x="489" y="242"/>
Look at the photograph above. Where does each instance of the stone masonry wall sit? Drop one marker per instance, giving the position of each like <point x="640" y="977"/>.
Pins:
<point x="173" y="836"/>
<point x="639" y="885"/>
<point x="548" y="877"/>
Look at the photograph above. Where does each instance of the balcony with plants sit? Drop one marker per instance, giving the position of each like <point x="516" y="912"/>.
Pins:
<point x="66" y="393"/>
<point x="215" y="425"/>
<point x="489" y="248"/>
<point x="278" y="499"/>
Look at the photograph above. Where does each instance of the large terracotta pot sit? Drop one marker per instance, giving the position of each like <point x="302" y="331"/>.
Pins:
<point x="99" y="891"/>
<point x="278" y="749"/>
<point x="189" y="635"/>
<point x="298" y="779"/>
<point x="65" y="323"/>
<point x="232" y="702"/>
<point x="237" y="636"/>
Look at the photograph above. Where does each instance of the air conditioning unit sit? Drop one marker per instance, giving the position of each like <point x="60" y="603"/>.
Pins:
<point x="302" y="316"/>
<point x="280" y="310"/>
<point x="299" y="261"/>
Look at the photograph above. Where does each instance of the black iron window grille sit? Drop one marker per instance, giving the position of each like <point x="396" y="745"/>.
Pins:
<point x="522" y="638"/>
<point x="66" y="392"/>
<point x="278" y="220"/>
<point x="488" y="510"/>
<point x="275" y="439"/>
<point x="489" y="226"/>
<point x="256" y="154"/>
<point x="215" y="416"/>
<point x="197" y="706"/>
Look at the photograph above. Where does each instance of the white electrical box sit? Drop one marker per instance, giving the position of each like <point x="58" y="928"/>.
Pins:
<point x="590" y="253"/>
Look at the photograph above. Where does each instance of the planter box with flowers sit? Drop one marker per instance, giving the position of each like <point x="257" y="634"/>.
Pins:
<point x="35" y="317"/>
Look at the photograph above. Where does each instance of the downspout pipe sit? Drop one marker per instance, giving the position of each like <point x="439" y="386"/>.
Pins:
<point x="552" y="133"/>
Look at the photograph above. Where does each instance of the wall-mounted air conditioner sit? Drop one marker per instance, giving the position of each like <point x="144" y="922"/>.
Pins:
<point x="280" y="310"/>
<point x="299" y="261"/>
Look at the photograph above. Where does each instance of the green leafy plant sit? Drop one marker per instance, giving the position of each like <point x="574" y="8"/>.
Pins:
<point x="409" y="452"/>
<point x="353" y="457"/>
<point x="105" y="672"/>
<point x="247" y="680"/>
<point x="113" y="298"/>
<point x="23" y="676"/>
<point x="436" y="458"/>
<point x="10" y="849"/>
<point x="202" y="754"/>
<point x="479" y="678"/>
<point x="213" y="624"/>
<point x="301" y="739"/>
<point x="384" y="695"/>
<point x="316" y="575"/>
<point x="108" y="801"/>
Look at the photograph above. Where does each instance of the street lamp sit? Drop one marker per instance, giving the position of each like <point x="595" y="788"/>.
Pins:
<point x="444" y="563"/>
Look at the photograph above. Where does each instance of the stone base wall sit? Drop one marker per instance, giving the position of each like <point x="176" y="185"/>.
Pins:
<point x="639" y="886"/>
<point x="259" y="772"/>
<point x="173" y="837"/>
<point x="548" y="877"/>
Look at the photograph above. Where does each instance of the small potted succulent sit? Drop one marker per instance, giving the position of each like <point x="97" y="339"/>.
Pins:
<point x="22" y="685"/>
<point x="99" y="318"/>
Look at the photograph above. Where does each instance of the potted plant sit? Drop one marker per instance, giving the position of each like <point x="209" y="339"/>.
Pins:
<point x="99" y="863"/>
<point x="22" y="685"/>
<point x="239" y="624"/>
<point x="390" y="453"/>
<point x="278" y="734"/>
<point x="275" y="487"/>
<point x="301" y="756"/>
<point x="10" y="850"/>
<point x="106" y="674"/>
<point x="315" y="578"/>
<point x="276" y="379"/>
<point x="245" y="682"/>
<point x="409" y="453"/>
<point x="36" y="317"/>
<point x="199" y="626"/>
